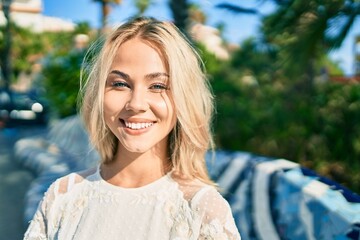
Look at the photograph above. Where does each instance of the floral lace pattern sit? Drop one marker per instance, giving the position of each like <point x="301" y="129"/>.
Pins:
<point x="37" y="231"/>
<point x="213" y="230"/>
<point x="160" y="209"/>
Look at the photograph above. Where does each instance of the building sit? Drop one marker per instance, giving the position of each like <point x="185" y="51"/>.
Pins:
<point x="28" y="14"/>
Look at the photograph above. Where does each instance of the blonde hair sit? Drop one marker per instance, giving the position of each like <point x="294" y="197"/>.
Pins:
<point x="193" y="101"/>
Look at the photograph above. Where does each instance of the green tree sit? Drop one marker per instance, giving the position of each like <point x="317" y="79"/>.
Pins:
<point x="142" y="6"/>
<point x="83" y="28"/>
<point x="27" y="48"/>
<point x="256" y="112"/>
<point x="105" y="11"/>
<point x="237" y="9"/>
<point x="60" y="75"/>
<point x="61" y="79"/>
<point x="180" y="12"/>
<point x="305" y="30"/>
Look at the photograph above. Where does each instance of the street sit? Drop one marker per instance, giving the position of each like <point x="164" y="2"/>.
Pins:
<point x="14" y="182"/>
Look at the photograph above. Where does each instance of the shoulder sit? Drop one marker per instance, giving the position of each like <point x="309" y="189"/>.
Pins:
<point x="205" y="200"/>
<point x="216" y="215"/>
<point x="189" y="187"/>
<point x="209" y="198"/>
<point x="197" y="192"/>
<point x="66" y="183"/>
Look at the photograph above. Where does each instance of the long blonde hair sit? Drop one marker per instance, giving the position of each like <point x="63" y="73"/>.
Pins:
<point x="191" y="137"/>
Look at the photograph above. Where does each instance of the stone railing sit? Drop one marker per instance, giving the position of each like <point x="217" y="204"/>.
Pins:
<point x="270" y="198"/>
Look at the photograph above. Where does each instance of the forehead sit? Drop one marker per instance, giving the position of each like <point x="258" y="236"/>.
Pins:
<point x="141" y="53"/>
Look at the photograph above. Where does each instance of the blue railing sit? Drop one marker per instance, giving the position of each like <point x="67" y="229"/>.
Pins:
<point x="270" y="198"/>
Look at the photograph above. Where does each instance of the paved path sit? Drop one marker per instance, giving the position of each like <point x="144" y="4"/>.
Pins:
<point x="14" y="182"/>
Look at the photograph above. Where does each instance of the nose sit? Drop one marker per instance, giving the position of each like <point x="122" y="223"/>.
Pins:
<point x="137" y="102"/>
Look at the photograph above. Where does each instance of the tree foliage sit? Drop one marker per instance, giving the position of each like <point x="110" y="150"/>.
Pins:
<point x="306" y="29"/>
<point x="180" y="11"/>
<point x="60" y="74"/>
<point x="257" y="111"/>
<point x="27" y="48"/>
<point x="142" y="6"/>
<point x="105" y="10"/>
<point x="276" y="102"/>
<point x="61" y="79"/>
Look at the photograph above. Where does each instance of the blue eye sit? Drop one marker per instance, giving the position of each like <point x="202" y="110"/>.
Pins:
<point x="120" y="84"/>
<point x="158" y="87"/>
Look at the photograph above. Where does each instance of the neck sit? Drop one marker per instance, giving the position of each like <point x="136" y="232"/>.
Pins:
<point x="135" y="169"/>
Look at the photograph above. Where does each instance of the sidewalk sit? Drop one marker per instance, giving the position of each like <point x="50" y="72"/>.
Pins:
<point x="14" y="182"/>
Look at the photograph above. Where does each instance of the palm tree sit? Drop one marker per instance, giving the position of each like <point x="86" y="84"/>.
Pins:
<point x="237" y="9"/>
<point x="305" y="29"/>
<point x="312" y="28"/>
<point x="180" y="11"/>
<point x="105" y="11"/>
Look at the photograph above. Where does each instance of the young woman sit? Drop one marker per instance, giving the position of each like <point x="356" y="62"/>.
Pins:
<point x="147" y="108"/>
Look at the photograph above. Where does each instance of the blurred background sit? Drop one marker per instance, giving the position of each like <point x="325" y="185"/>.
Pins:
<point x="285" y="73"/>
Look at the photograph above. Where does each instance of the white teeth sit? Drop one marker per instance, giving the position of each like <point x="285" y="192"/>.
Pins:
<point x="137" y="126"/>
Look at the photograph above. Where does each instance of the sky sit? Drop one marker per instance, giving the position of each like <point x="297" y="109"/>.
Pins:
<point x="238" y="27"/>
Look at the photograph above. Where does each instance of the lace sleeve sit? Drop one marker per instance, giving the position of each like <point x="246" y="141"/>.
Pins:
<point x="45" y="222"/>
<point x="218" y="222"/>
<point x="38" y="225"/>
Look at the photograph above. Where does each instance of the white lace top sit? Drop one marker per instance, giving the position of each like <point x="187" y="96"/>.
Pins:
<point x="84" y="206"/>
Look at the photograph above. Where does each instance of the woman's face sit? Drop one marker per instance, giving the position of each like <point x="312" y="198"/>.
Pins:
<point x="138" y="106"/>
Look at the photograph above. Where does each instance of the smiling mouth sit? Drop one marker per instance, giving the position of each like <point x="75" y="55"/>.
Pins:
<point x="137" y="125"/>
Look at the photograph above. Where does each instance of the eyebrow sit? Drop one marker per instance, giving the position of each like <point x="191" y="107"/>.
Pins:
<point x="156" y="75"/>
<point x="120" y="74"/>
<point x="149" y="76"/>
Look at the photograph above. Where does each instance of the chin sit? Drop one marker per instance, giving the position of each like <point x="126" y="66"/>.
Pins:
<point x="136" y="149"/>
